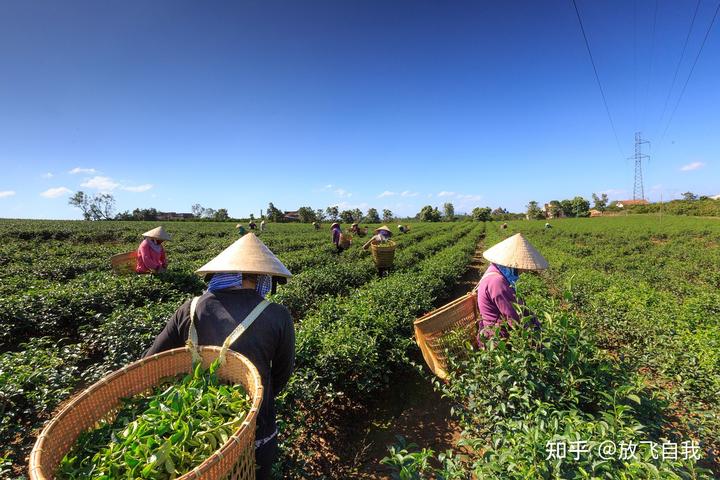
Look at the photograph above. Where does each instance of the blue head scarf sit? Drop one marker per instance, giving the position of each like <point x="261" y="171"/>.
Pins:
<point x="510" y="274"/>
<point x="221" y="281"/>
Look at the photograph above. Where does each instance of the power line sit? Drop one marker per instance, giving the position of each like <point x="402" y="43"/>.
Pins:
<point x="702" y="45"/>
<point x="597" y="77"/>
<point x="677" y="68"/>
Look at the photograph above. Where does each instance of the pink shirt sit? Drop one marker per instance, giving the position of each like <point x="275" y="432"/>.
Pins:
<point x="495" y="301"/>
<point x="148" y="259"/>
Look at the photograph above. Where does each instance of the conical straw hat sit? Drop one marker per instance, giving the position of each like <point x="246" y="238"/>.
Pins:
<point x="247" y="255"/>
<point x="516" y="252"/>
<point x="384" y="227"/>
<point x="158" y="233"/>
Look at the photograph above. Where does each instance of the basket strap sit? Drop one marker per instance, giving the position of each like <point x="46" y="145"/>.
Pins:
<point x="192" y="341"/>
<point x="240" y="329"/>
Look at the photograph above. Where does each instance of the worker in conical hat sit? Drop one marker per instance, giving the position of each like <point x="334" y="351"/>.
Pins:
<point x="151" y="256"/>
<point x="241" y="230"/>
<point x="382" y="235"/>
<point x="496" y="290"/>
<point x="238" y="280"/>
<point x="336" y="236"/>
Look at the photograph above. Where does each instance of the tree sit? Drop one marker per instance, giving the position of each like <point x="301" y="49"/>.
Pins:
<point x="600" y="203"/>
<point x="689" y="196"/>
<point x="555" y="209"/>
<point x="357" y="215"/>
<point x="197" y="210"/>
<point x="332" y="212"/>
<point x="252" y="217"/>
<point x="221" y="215"/>
<point x="534" y="212"/>
<point x="482" y="214"/>
<point x="81" y="201"/>
<point x="429" y="214"/>
<point x="209" y="213"/>
<point x="372" y="216"/>
<point x="320" y="215"/>
<point x="566" y="208"/>
<point x="274" y="214"/>
<point x="144" y="214"/>
<point x="387" y="215"/>
<point x="449" y="211"/>
<point x="306" y="214"/>
<point x="347" y="216"/>
<point x="580" y="207"/>
<point x="98" y="207"/>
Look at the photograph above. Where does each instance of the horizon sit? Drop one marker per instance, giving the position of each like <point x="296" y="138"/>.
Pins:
<point x="358" y="104"/>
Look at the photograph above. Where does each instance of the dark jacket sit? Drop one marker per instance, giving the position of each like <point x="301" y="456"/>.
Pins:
<point x="269" y="343"/>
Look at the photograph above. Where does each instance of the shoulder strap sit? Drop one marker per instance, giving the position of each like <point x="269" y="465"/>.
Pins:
<point x="192" y="341"/>
<point x="240" y="329"/>
<point x="245" y="324"/>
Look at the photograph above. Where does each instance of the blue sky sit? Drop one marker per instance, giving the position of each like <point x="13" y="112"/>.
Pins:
<point x="385" y="104"/>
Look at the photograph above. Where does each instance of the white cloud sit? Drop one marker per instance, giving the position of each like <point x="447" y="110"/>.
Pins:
<point x="7" y="193"/>
<point x="103" y="184"/>
<point x="48" y="175"/>
<point x="408" y="193"/>
<point x="692" y="166"/>
<point x="446" y="194"/>
<point x="342" y="192"/>
<point x="386" y="193"/>
<point x="139" y="188"/>
<point x="82" y="170"/>
<point x="470" y="198"/>
<point x="56" y="192"/>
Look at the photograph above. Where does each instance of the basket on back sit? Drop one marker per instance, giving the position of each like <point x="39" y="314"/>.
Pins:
<point x="383" y="254"/>
<point x="234" y="460"/>
<point x="362" y="232"/>
<point x="345" y="240"/>
<point x="124" y="263"/>
<point x="447" y="328"/>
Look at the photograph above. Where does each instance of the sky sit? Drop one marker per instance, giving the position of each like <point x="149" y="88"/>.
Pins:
<point x="384" y="104"/>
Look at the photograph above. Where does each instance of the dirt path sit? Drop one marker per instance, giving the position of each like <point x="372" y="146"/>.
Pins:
<point x="412" y="408"/>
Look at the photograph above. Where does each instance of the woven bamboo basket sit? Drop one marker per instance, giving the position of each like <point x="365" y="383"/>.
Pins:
<point x="383" y="254"/>
<point x="447" y="328"/>
<point x="345" y="240"/>
<point x="124" y="263"/>
<point x="362" y="232"/>
<point x="235" y="460"/>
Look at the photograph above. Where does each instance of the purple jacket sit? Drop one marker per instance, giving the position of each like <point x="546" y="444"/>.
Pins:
<point x="495" y="302"/>
<point x="336" y="235"/>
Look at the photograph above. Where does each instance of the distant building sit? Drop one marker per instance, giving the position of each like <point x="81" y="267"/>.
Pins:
<point x="291" y="216"/>
<point x="595" y="213"/>
<point x="627" y="203"/>
<point x="174" y="216"/>
<point x="549" y="213"/>
<point x="715" y="197"/>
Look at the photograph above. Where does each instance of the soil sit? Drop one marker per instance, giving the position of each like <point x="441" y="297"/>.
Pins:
<point x="412" y="408"/>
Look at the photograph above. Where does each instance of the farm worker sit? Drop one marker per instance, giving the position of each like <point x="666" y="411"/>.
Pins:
<point x="547" y="225"/>
<point x="252" y="225"/>
<point x="151" y="254"/>
<point x="504" y="226"/>
<point x="316" y="225"/>
<point x="354" y="228"/>
<point x="496" y="290"/>
<point x="239" y="278"/>
<point x="402" y="228"/>
<point x="382" y="235"/>
<point x="240" y="229"/>
<point x="336" y="232"/>
<point x="262" y="226"/>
